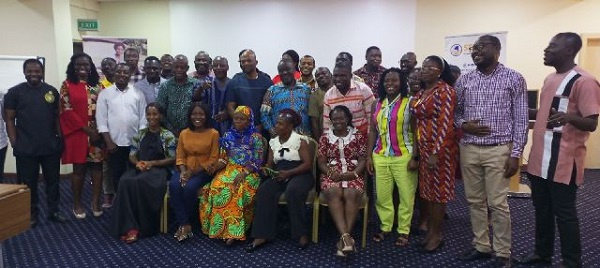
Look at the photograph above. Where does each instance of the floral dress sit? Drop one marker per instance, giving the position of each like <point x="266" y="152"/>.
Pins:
<point x="342" y="154"/>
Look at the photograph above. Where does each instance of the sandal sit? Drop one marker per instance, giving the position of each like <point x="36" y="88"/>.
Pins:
<point x="186" y="232"/>
<point x="379" y="237"/>
<point x="348" y="243"/>
<point x="79" y="216"/>
<point x="402" y="240"/>
<point x="132" y="236"/>
<point x="97" y="210"/>
<point x="178" y="232"/>
<point x="230" y="242"/>
<point x="339" y="246"/>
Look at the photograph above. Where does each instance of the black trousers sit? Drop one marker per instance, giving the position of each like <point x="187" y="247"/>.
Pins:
<point x="556" y="202"/>
<point x="28" y="170"/>
<point x="2" y="160"/>
<point x="118" y="162"/>
<point x="267" y="204"/>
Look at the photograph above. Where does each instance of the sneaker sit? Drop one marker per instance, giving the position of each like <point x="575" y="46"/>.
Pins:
<point x="108" y="200"/>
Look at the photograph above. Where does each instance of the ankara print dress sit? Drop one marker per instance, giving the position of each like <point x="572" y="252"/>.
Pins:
<point x="226" y="212"/>
<point x="434" y="111"/>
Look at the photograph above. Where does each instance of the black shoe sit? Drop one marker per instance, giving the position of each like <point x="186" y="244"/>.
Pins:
<point x="303" y="246"/>
<point x="252" y="247"/>
<point x="57" y="217"/>
<point x="422" y="249"/>
<point x="533" y="258"/>
<point x="474" y="254"/>
<point x="502" y="262"/>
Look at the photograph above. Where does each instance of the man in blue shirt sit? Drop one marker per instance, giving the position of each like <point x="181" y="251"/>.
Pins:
<point x="287" y="94"/>
<point x="150" y="85"/>
<point x="248" y="87"/>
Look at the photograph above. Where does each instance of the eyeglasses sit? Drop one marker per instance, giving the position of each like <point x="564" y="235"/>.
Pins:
<point x="430" y="68"/>
<point x="286" y="116"/>
<point x="480" y="46"/>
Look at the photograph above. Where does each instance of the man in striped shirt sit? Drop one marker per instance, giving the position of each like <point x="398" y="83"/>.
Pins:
<point x="355" y="95"/>
<point x="492" y="111"/>
<point x="569" y="106"/>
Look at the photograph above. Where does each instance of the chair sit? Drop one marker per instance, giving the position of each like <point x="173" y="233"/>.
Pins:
<point x="164" y="212"/>
<point x="321" y="201"/>
<point x="312" y="194"/>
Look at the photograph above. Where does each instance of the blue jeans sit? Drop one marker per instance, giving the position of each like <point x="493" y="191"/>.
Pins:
<point x="184" y="200"/>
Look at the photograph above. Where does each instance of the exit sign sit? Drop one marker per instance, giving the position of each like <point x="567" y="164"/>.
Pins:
<point x="87" y="25"/>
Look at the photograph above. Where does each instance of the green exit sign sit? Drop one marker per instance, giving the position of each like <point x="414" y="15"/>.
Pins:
<point x="87" y="25"/>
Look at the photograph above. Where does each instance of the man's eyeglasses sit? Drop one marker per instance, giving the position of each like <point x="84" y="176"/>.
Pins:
<point x="480" y="46"/>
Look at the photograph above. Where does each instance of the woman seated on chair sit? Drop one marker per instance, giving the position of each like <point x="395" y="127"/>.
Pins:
<point x="197" y="152"/>
<point x="141" y="189"/>
<point x="227" y="203"/>
<point x="341" y="159"/>
<point x="291" y="162"/>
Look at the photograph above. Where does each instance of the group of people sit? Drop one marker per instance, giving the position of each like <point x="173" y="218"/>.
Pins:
<point x="226" y="149"/>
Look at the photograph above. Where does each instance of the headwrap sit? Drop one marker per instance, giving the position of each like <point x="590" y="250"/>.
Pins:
<point x="234" y="137"/>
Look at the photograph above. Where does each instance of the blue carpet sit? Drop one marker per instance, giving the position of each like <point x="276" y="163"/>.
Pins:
<point x="86" y="243"/>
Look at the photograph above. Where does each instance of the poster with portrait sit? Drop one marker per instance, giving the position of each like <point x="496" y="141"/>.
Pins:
<point x="100" y="47"/>
<point x="457" y="49"/>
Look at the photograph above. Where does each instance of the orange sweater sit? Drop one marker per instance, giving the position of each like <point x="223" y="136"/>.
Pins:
<point x="196" y="150"/>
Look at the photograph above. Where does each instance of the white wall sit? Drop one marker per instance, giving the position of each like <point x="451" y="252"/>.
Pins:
<point x="314" y="27"/>
<point x="143" y="19"/>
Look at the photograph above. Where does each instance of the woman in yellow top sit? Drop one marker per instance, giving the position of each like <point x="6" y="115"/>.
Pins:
<point x="197" y="151"/>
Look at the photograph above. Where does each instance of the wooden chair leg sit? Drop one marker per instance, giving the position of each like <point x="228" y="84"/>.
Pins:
<point x="315" y="221"/>
<point x="164" y="214"/>
<point x="364" y="227"/>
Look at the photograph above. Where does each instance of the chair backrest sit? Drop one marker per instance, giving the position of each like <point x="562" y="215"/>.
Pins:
<point x="313" y="147"/>
<point x="266" y="150"/>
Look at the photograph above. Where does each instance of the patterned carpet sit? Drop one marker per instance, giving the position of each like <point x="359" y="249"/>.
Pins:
<point x="86" y="243"/>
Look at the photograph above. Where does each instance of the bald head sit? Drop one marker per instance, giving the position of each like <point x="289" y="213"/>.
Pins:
<point x="324" y="78"/>
<point x="180" y="58"/>
<point x="408" y="62"/>
<point x="248" y="62"/>
<point x="220" y="67"/>
<point x="180" y="68"/>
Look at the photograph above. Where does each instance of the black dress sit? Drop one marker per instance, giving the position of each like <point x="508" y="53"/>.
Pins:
<point x="140" y="194"/>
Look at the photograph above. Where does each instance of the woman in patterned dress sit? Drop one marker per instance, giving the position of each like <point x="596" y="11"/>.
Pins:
<point x="227" y="203"/>
<point x="83" y="143"/>
<point x="341" y="159"/>
<point x="437" y="144"/>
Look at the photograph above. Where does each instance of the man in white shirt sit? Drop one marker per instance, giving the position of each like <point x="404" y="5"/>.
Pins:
<point x="124" y="107"/>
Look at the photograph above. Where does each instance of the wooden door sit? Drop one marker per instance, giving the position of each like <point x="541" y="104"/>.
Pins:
<point x="589" y="60"/>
